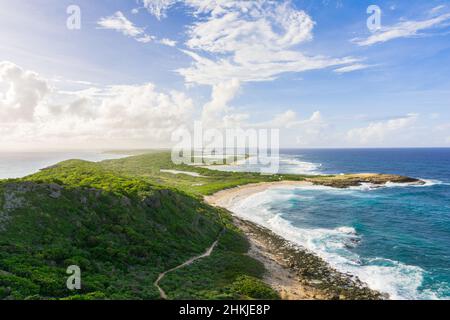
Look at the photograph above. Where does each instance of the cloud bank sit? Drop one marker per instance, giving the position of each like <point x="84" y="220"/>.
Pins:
<point x="33" y="113"/>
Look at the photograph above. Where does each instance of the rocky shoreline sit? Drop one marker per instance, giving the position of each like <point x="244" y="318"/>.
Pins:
<point x="299" y="274"/>
<point x="353" y="180"/>
<point x="293" y="271"/>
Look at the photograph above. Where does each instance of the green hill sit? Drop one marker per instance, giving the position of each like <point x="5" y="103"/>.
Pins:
<point x="122" y="231"/>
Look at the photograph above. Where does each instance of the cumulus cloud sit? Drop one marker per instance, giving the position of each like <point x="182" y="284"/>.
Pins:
<point x="311" y="131"/>
<point x="216" y="110"/>
<point x="219" y="114"/>
<point x="106" y="116"/>
<point x="404" y="29"/>
<point x="25" y="91"/>
<point x="377" y="132"/>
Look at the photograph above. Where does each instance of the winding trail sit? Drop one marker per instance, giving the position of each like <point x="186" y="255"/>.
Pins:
<point x="188" y="262"/>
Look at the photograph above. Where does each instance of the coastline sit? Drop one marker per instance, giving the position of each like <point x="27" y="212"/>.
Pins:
<point x="227" y="197"/>
<point x="294" y="272"/>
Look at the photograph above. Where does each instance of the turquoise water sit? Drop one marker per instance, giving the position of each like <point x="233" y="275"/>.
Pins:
<point x="395" y="238"/>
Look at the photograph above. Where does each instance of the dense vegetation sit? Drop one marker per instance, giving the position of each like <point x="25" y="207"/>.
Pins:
<point x="122" y="231"/>
<point x="149" y="166"/>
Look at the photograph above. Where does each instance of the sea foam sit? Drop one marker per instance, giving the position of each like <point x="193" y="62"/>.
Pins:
<point x="399" y="280"/>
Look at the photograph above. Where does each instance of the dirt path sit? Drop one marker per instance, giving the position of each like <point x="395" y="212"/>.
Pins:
<point x="188" y="262"/>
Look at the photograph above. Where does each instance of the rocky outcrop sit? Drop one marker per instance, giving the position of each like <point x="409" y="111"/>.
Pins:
<point x="351" y="180"/>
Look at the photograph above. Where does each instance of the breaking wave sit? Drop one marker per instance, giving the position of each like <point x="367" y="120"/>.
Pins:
<point x="399" y="280"/>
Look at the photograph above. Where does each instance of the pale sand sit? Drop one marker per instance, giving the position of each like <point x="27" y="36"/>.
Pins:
<point x="278" y="274"/>
<point x="188" y="173"/>
<point x="226" y="198"/>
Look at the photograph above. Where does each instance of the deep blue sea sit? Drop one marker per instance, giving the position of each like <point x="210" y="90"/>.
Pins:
<point x="395" y="238"/>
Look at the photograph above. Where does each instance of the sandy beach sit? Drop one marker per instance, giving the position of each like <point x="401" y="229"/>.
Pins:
<point x="278" y="275"/>
<point x="295" y="273"/>
<point x="226" y="198"/>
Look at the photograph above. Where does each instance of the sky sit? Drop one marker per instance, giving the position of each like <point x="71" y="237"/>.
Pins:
<point x="136" y="71"/>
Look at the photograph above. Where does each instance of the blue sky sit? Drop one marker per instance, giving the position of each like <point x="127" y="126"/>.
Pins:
<point x="318" y="73"/>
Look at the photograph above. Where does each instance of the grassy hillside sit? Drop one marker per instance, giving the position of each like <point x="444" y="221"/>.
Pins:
<point x="149" y="166"/>
<point x="122" y="231"/>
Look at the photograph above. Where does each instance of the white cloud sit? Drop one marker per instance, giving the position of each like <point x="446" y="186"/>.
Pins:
<point x="377" y="132"/>
<point x="290" y="120"/>
<point x="351" y="68"/>
<point x="404" y="29"/>
<point x="312" y="131"/>
<point x="235" y="41"/>
<point x="304" y="132"/>
<point x="436" y="9"/>
<point x="284" y="120"/>
<point x="215" y="111"/>
<point x="145" y="39"/>
<point x="158" y="8"/>
<point x="249" y="41"/>
<point x="25" y="91"/>
<point x="125" y="116"/>
<point x="168" y="42"/>
<point x="120" y="23"/>
<point x="218" y="113"/>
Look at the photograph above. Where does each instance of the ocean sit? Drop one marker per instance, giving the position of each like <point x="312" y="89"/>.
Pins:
<point x="395" y="238"/>
<point x="21" y="164"/>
